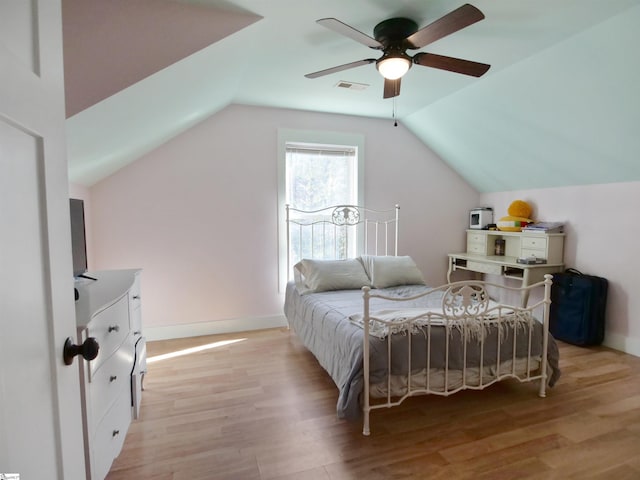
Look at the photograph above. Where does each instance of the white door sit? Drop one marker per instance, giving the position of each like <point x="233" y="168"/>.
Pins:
<point x="40" y="416"/>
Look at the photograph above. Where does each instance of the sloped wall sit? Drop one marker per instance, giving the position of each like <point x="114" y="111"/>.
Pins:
<point x="567" y="115"/>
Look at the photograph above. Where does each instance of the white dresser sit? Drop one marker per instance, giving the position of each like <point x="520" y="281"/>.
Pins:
<point x="108" y="309"/>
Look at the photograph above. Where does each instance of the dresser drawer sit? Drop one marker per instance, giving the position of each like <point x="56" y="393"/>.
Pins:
<point x="112" y="378"/>
<point x="135" y="300"/>
<point x="136" y="322"/>
<point x="473" y="237"/>
<point x="109" y="435"/>
<point x="484" y="267"/>
<point x="534" y="243"/>
<point x="479" y="248"/>
<point x="476" y="243"/>
<point x="110" y="328"/>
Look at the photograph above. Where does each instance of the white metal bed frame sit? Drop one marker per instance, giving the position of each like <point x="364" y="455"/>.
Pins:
<point x="466" y="306"/>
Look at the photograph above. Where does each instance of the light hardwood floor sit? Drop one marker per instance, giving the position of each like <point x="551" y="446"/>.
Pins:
<point x="262" y="408"/>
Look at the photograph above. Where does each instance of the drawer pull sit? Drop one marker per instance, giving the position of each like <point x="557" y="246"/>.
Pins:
<point x="113" y="378"/>
<point x="115" y="433"/>
<point x="137" y="332"/>
<point x="114" y="328"/>
<point x="136" y="297"/>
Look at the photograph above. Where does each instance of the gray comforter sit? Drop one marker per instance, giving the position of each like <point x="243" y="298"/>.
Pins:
<point x="321" y="321"/>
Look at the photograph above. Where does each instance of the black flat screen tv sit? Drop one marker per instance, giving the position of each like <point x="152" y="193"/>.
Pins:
<point x="78" y="237"/>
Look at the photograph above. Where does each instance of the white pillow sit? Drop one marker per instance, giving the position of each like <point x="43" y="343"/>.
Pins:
<point x="323" y="275"/>
<point x="390" y="271"/>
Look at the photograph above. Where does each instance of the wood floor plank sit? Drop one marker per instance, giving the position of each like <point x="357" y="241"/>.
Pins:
<point x="257" y="406"/>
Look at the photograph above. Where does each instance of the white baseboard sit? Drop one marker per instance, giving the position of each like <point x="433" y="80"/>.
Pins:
<point x="628" y="345"/>
<point x="213" y="328"/>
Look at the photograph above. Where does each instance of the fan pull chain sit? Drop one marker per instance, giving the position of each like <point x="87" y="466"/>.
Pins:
<point x="395" y="122"/>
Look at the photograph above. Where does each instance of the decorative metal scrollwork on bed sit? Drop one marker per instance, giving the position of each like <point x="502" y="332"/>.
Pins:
<point x="345" y="215"/>
<point x="467" y="300"/>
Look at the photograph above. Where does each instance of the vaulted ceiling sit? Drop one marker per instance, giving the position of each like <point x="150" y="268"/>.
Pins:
<point x="559" y="106"/>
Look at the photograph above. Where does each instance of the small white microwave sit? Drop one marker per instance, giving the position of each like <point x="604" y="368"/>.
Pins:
<point x="480" y="217"/>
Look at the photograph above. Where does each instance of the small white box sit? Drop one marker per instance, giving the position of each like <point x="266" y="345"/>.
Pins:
<point x="480" y="217"/>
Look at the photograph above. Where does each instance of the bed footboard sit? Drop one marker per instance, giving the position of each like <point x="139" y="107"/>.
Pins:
<point x="470" y="342"/>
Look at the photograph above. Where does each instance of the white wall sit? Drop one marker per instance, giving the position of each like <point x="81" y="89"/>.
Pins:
<point x="602" y="231"/>
<point x="199" y="215"/>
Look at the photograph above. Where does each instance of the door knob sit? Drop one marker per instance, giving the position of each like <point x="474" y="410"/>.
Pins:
<point x="88" y="350"/>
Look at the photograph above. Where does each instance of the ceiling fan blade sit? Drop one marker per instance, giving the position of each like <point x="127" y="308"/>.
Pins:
<point x="339" y="68"/>
<point x="348" y="31"/>
<point x="458" y="65"/>
<point x="391" y="88"/>
<point x="452" y="22"/>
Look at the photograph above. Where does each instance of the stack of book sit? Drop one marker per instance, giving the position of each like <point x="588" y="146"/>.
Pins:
<point x="544" y="227"/>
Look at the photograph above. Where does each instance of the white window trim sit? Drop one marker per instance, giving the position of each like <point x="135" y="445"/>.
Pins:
<point x="286" y="135"/>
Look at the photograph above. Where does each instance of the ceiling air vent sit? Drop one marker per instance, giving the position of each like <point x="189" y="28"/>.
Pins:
<point x="351" y="85"/>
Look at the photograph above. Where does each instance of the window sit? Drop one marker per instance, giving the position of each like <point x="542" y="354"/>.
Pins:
<point x="318" y="175"/>
<point x="317" y="170"/>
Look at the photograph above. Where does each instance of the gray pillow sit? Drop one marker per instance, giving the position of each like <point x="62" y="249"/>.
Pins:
<point x="389" y="271"/>
<point x="323" y="275"/>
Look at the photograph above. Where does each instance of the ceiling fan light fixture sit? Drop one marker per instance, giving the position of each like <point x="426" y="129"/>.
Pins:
<point x="393" y="67"/>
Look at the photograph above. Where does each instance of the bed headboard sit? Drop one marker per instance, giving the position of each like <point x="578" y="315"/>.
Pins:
<point x="340" y="231"/>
